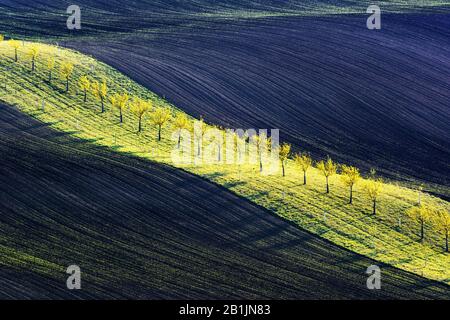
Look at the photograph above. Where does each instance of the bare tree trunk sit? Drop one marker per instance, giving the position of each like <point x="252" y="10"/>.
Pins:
<point x="282" y="166"/>
<point x="67" y="84"/>
<point x="422" y="231"/>
<point x="15" y="58"/>
<point x="351" y="195"/>
<point x="304" y="177"/>
<point x="328" y="187"/>
<point x="179" y="139"/>
<point x="159" y="133"/>
<point x="260" y="163"/>
<point x="140" y="124"/>
<point x="103" y="105"/>
<point x="374" y="211"/>
<point x="32" y="65"/>
<point x="85" y="95"/>
<point x="446" y="241"/>
<point x="121" y="115"/>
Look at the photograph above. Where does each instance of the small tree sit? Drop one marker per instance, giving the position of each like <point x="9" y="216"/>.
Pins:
<point x="139" y="107"/>
<point x="181" y="122"/>
<point x="327" y="169"/>
<point x="263" y="143"/>
<point x="199" y="129"/>
<point x="2" y="37"/>
<point x="66" y="72"/>
<point x="350" y="176"/>
<point x="373" y="188"/>
<point x="284" y="153"/>
<point x="100" y="91"/>
<point x="442" y="222"/>
<point x="304" y="161"/>
<point x="15" y="44"/>
<point x="159" y="118"/>
<point x="119" y="102"/>
<point x="216" y="139"/>
<point x="240" y="146"/>
<point x="84" y="85"/>
<point x="33" y="53"/>
<point x="421" y="214"/>
<point x="50" y="67"/>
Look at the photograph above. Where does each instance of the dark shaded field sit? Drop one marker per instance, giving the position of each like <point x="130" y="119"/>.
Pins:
<point x="141" y="230"/>
<point x="371" y="98"/>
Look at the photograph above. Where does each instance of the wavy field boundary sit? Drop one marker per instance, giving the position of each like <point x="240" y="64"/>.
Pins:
<point x="380" y="237"/>
<point x="143" y="230"/>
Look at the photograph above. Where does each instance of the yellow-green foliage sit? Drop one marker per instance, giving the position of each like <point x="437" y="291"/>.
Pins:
<point x="84" y="83"/>
<point x="350" y="176"/>
<point x="15" y="44"/>
<point x="389" y="236"/>
<point x="327" y="168"/>
<point x="33" y="53"/>
<point x="284" y="153"/>
<point x="373" y="189"/>
<point x="181" y="122"/>
<point x="119" y="101"/>
<point x="422" y="214"/>
<point x="50" y="66"/>
<point x="66" y="72"/>
<point x="304" y="161"/>
<point x="159" y="117"/>
<point x="100" y="91"/>
<point x="140" y="107"/>
<point x="441" y="219"/>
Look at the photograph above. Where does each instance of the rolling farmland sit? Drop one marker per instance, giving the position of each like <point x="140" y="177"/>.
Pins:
<point x="332" y="87"/>
<point x="105" y="198"/>
<point x="111" y="215"/>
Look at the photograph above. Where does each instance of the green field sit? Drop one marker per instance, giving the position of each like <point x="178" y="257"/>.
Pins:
<point x="390" y="236"/>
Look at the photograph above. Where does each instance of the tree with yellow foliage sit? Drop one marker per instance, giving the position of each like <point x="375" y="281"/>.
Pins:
<point x="139" y="107"/>
<point x="442" y="222"/>
<point x="33" y="53"/>
<point x="327" y="169"/>
<point x="421" y="214"/>
<point x="215" y="135"/>
<point x="50" y="67"/>
<point x="373" y="189"/>
<point x="2" y="37"/>
<point x="350" y="176"/>
<point x="66" y="72"/>
<point x="84" y="83"/>
<point x="304" y="161"/>
<point x="160" y="118"/>
<point x="119" y="101"/>
<point x="263" y="144"/>
<point x="100" y="91"/>
<point x="15" y="44"/>
<point x="199" y="129"/>
<point x="284" y="152"/>
<point x="181" y="122"/>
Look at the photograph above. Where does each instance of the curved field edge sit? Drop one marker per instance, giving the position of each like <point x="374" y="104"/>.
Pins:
<point x="389" y="237"/>
<point x="109" y="213"/>
<point x="111" y="19"/>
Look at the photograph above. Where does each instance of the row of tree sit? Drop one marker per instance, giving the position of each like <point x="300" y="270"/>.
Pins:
<point x="349" y="175"/>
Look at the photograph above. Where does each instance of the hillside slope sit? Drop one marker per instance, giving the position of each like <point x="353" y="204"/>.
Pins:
<point x="142" y="230"/>
<point x="388" y="236"/>
<point x="374" y="99"/>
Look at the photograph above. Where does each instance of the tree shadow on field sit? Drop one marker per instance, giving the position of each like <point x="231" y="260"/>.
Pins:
<point x="214" y="175"/>
<point x="233" y="184"/>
